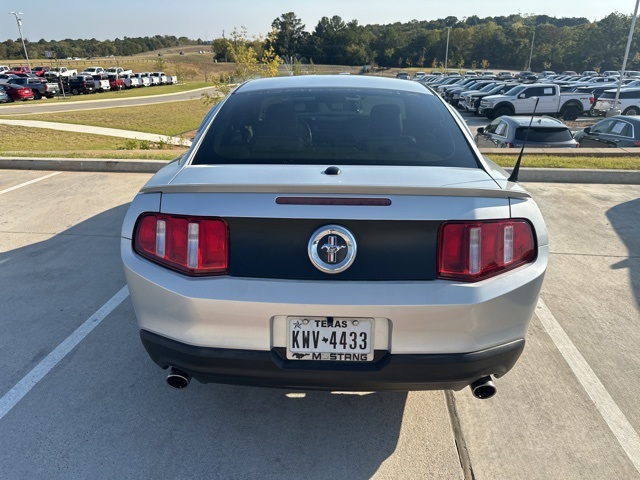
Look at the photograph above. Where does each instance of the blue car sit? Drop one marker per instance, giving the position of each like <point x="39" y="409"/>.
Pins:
<point x="4" y="96"/>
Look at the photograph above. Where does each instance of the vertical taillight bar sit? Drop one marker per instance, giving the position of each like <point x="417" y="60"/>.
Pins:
<point x="192" y="245"/>
<point x="475" y="250"/>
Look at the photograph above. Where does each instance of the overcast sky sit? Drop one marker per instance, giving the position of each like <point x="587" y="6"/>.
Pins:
<point x="206" y="19"/>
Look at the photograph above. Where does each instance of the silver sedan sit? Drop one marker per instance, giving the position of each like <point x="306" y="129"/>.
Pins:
<point x="334" y="232"/>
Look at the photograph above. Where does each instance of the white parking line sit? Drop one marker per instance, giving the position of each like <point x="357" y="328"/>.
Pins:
<point x="7" y="190"/>
<point x="623" y="430"/>
<point x="24" y="386"/>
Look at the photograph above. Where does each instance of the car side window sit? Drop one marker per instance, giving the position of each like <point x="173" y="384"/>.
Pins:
<point x="621" y="128"/>
<point x="491" y="128"/>
<point x="533" y="92"/>
<point x="501" y="129"/>
<point x="602" y="127"/>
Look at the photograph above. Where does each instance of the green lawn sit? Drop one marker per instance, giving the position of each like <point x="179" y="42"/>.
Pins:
<point x="600" y="163"/>
<point x="49" y="143"/>
<point x="173" y="118"/>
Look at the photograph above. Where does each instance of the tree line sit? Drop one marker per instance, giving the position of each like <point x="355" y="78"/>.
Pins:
<point x="85" y="48"/>
<point x="502" y="42"/>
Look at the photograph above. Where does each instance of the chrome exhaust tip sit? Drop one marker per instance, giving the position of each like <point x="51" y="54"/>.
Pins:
<point x="483" y="388"/>
<point x="178" y="379"/>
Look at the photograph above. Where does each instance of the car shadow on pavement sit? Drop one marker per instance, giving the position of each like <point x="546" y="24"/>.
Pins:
<point x="625" y="219"/>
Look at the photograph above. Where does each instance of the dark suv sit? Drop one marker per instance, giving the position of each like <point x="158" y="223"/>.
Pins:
<point x="510" y="132"/>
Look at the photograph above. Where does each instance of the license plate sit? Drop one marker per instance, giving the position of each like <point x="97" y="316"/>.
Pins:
<point x="330" y="338"/>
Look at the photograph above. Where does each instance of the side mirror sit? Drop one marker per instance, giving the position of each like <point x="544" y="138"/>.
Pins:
<point x="587" y="130"/>
<point x="480" y="130"/>
<point x="522" y="95"/>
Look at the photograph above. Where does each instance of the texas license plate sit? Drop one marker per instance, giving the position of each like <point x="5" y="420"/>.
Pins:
<point x="330" y="338"/>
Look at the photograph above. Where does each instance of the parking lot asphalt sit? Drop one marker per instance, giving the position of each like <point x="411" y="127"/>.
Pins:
<point x="79" y="397"/>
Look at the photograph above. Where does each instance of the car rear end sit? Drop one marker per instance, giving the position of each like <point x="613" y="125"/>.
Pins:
<point x="51" y="89"/>
<point x="341" y="257"/>
<point x="19" y="92"/>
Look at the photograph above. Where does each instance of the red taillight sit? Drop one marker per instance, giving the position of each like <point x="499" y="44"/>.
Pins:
<point x="192" y="245"/>
<point x="473" y="251"/>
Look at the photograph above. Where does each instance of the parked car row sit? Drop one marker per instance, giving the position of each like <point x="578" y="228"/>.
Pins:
<point x="493" y="97"/>
<point x="49" y="82"/>
<point x="621" y="131"/>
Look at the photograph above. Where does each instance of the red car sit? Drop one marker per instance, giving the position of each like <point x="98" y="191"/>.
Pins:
<point x="20" y="69"/>
<point x="40" y="71"/>
<point x="18" y="92"/>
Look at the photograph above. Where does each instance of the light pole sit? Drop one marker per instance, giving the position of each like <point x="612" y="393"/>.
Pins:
<point x="531" y="53"/>
<point x="19" y="22"/>
<point x="614" y="109"/>
<point x="446" y="55"/>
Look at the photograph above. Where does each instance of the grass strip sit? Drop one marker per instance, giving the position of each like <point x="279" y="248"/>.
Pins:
<point x="546" y="161"/>
<point x="39" y="142"/>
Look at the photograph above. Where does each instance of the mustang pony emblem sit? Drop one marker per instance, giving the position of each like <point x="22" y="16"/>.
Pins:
<point x="332" y="248"/>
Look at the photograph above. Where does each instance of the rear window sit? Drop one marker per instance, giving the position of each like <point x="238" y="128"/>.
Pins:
<point x="538" y="134"/>
<point x="338" y="126"/>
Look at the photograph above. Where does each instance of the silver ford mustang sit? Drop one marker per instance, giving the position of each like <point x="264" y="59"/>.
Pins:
<point x="334" y="232"/>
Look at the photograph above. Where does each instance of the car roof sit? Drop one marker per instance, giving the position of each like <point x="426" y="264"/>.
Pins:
<point x="538" y="121"/>
<point x="635" y="119"/>
<point x="331" y="81"/>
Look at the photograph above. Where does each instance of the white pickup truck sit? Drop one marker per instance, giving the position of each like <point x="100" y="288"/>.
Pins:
<point x="93" y="71"/>
<point x="57" y="72"/>
<point x="131" y="81"/>
<point x="521" y="100"/>
<point x="164" y="78"/>
<point x="143" y="79"/>
<point x="118" y="71"/>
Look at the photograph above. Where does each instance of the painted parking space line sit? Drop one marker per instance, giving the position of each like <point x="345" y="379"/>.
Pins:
<point x="16" y="187"/>
<point x="616" y="420"/>
<point x="24" y="386"/>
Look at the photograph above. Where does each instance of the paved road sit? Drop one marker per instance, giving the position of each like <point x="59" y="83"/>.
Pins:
<point x="96" y="407"/>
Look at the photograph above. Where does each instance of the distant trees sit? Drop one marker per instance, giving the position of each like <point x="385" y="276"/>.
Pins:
<point x="62" y="49"/>
<point x="289" y="36"/>
<point x="503" y="42"/>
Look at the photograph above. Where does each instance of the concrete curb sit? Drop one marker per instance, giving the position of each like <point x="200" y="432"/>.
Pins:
<point x="547" y="175"/>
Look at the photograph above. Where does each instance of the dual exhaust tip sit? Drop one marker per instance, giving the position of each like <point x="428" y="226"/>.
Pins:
<point x="482" y="388"/>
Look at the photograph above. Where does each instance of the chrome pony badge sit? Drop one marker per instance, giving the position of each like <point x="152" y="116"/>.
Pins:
<point x="332" y="249"/>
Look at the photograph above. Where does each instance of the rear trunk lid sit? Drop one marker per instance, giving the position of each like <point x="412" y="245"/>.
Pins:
<point x="273" y="212"/>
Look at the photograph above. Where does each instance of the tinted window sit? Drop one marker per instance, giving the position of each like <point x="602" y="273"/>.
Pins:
<point x="537" y="134"/>
<point x="602" y="127"/>
<point x="635" y="94"/>
<point x="343" y="126"/>
<point x="621" y="128"/>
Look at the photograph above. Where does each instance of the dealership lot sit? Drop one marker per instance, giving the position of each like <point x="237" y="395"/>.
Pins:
<point x="98" y="407"/>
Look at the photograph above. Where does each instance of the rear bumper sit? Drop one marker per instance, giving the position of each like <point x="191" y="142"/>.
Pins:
<point x="387" y="372"/>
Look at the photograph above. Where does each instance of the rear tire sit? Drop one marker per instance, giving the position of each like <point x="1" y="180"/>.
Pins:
<point x="75" y="91"/>
<point x="632" y="111"/>
<point x="37" y="95"/>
